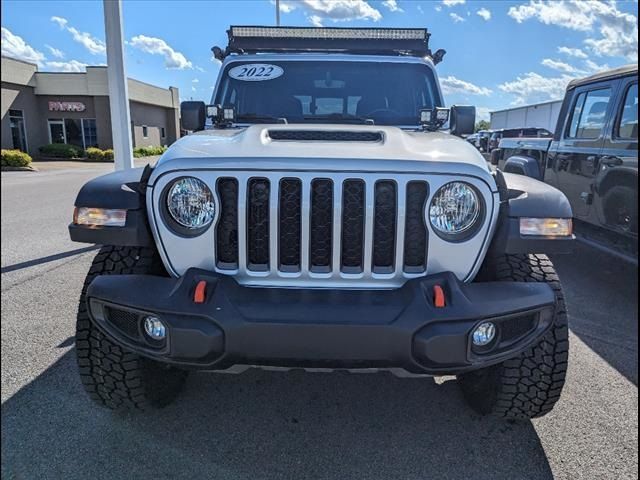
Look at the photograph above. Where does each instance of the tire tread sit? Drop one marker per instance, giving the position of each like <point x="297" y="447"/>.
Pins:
<point x="529" y="385"/>
<point x="113" y="377"/>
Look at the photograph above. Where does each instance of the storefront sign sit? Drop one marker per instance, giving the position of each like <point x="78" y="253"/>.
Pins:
<point x="66" y="107"/>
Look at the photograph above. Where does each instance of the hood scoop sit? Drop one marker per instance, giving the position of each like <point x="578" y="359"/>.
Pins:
<point x="324" y="136"/>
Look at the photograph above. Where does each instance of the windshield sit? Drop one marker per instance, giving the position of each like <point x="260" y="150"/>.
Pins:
<point x="385" y="93"/>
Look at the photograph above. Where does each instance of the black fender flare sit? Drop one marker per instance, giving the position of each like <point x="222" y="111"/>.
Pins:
<point x="622" y="175"/>
<point x="124" y="189"/>
<point x="523" y="165"/>
<point x="526" y="197"/>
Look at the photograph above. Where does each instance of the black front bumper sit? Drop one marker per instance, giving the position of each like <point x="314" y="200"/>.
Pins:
<point x="318" y="328"/>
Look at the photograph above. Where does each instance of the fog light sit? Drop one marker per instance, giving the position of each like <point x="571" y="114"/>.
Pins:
<point x="154" y="328"/>
<point x="484" y="334"/>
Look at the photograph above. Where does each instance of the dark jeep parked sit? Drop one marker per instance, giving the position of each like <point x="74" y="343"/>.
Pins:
<point x="497" y="135"/>
<point x="592" y="158"/>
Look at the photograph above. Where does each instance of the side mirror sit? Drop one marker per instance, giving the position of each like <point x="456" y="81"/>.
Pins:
<point x="495" y="156"/>
<point x="193" y="115"/>
<point x="462" y="120"/>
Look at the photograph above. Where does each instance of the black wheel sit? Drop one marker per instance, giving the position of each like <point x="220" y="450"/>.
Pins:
<point x="112" y="376"/>
<point x="529" y="385"/>
<point x="621" y="208"/>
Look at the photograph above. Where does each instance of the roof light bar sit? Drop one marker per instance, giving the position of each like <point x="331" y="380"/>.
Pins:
<point x="331" y="33"/>
<point x="369" y="41"/>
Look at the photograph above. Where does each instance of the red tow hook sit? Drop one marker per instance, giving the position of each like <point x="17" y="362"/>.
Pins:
<point x="199" y="295"/>
<point x="438" y="297"/>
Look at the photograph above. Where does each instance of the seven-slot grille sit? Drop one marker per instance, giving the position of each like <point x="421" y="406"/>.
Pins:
<point x="321" y="226"/>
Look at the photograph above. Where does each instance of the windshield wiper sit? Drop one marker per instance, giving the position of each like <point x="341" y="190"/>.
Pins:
<point x="342" y="117"/>
<point x="254" y="117"/>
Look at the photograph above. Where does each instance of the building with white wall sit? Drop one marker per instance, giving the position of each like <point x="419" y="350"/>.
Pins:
<point x="540" y="115"/>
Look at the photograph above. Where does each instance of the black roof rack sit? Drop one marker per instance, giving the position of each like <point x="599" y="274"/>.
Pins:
<point x="366" y="41"/>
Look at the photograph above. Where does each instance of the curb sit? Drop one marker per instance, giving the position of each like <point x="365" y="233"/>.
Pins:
<point x="19" y="169"/>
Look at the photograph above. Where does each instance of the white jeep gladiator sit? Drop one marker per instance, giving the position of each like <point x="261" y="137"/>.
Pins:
<point x="324" y="214"/>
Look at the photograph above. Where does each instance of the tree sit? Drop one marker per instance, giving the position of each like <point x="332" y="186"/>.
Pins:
<point x="482" y="125"/>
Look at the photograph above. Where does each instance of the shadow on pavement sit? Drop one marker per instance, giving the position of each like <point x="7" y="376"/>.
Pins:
<point x="602" y="297"/>
<point x="47" y="259"/>
<point x="266" y="425"/>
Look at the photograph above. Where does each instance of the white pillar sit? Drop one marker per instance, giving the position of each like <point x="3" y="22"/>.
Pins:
<point x="118" y="90"/>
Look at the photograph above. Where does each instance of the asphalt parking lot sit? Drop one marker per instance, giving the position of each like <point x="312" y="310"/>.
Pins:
<point x="264" y="425"/>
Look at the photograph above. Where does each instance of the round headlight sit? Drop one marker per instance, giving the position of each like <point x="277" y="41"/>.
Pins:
<point x="455" y="209"/>
<point x="190" y="203"/>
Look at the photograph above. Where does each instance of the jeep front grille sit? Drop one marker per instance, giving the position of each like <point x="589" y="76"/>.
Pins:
<point x="321" y="226"/>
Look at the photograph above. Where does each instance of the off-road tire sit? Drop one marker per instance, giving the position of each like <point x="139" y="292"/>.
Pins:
<point x="529" y="385"/>
<point x="112" y="376"/>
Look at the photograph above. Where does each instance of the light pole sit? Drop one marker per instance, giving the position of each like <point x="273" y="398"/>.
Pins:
<point x="118" y="90"/>
<point x="277" y="13"/>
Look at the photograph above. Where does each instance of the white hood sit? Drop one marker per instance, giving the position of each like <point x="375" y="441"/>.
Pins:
<point x="398" y="151"/>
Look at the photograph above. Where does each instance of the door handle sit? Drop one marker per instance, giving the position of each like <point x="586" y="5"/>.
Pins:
<point x="611" y="161"/>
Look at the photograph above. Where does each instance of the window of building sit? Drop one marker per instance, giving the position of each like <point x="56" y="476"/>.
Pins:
<point x="56" y="130"/>
<point x="145" y="132"/>
<point x="162" y="132"/>
<point x="80" y="132"/>
<point x="627" y="126"/>
<point x="89" y="132"/>
<point x="73" y="132"/>
<point x="18" y="130"/>
<point x="589" y="114"/>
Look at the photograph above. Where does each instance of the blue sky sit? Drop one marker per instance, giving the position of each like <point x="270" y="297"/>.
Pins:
<point x="499" y="53"/>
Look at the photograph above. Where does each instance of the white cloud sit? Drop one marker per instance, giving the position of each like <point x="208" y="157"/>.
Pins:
<point x="334" y="10"/>
<point x="15" y="47"/>
<point x="452" y="85"/>
<point x="482" y="113"/>
<point x="560" y="66"/>
<point x="315" y="20"/>
<point x="199" y="68"/>
<point x="588" y="67"/>
<point x="420" y="9"/>
<point x="55" y="52"/>
<point x="157" y="46"/>
<point x="94" y="45"/>
<point x="619" y="38"/>
<point x="618" y="30"/>
<point x="70" y="66"/>
<point x="484" y="13"/>
<point x="195" y="80"/>
<point x="392" y="5"/>
<point x="456" y="18"/>
<point x="593" y="67"/>
<point x="573" y="52"/>
<point x="62" y="22"/>
<point x="451" y="3"/>
<point x="533" y="87"/>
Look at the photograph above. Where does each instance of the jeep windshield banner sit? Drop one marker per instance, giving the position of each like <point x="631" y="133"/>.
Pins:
<point x="329" y="92"/>
<point x="255" y="72"/>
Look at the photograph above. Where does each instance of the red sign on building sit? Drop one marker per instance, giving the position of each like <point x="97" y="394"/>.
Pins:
<point x="66" y="107"/>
